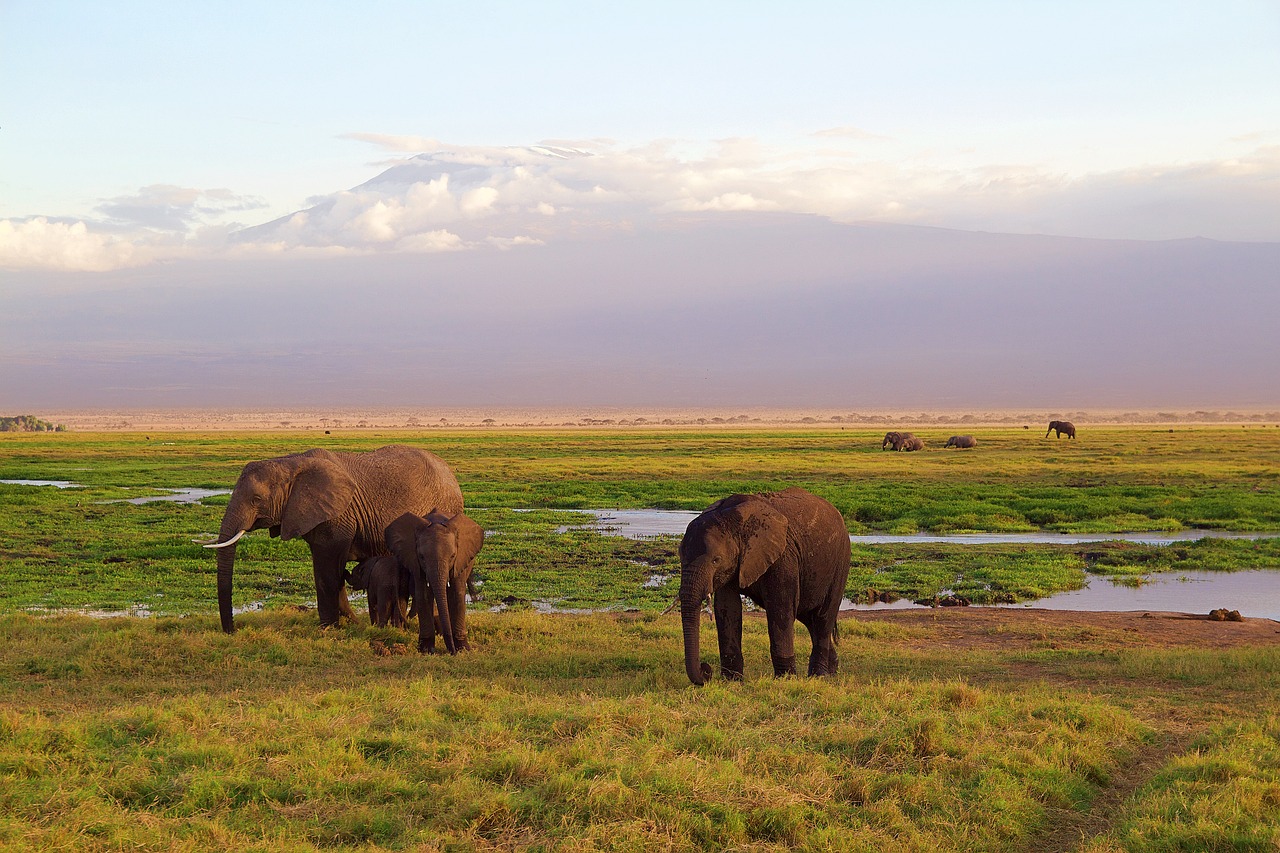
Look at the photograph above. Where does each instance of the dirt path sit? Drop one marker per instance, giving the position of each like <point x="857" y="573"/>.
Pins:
<point x="1015" y="629"/>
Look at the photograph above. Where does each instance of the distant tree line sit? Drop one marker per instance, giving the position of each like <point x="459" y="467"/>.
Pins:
<point x="28" y="423"/>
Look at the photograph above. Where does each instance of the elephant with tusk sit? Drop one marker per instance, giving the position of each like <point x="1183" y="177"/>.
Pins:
<point x="339" y="503"/>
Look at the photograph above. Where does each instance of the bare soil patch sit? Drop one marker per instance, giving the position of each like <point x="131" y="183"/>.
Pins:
<point x="1019" y="627"/>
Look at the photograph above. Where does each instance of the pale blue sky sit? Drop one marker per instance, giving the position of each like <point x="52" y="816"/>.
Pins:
<point x="99" y="100"/>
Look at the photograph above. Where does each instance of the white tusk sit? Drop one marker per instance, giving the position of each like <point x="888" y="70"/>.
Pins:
<point x="233" y="540"/>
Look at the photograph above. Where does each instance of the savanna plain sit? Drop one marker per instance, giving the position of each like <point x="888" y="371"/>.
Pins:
<point x="962" y="728"/>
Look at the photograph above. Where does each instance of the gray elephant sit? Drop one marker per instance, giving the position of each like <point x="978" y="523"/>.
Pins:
<point x="788" y="552"/>
<point x="961" y="441"/>
<point x="338" y="503"/>
<point x="389" y="586"/>
<point x="893" y="439"/>
<point x="910" y="443"/>
<point x="1062" y="428"/>
<point x="439" y="552"/>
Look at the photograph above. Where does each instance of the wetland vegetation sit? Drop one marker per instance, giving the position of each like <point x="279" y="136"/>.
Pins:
<point x="580" y="732"/>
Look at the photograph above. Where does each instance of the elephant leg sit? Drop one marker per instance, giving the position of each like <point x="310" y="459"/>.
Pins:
<point x="728" y="609"/>
<point x="344" y="605"/>
<point x="782" y="642"/>
<point x="823" y="660"/>
<point x="426" y="621"/>
<point x="457" y="595"/>
<point x="327" y="564"/>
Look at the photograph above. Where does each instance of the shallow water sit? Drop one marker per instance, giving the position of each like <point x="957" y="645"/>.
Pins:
<point x="182" y="496"/>
<point x="1255" y="593"/>
<point x="638" y="523"/>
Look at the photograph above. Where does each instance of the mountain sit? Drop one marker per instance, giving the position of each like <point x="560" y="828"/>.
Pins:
<point x="706" y="309"/>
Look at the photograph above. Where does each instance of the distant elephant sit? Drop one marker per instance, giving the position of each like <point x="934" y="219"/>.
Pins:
<point x="338" y="503"/>
<point x="389" y="585"/>
<point x="897" y="440"/>
<point x="1062" y="428"/>
<point x="910" y="443"/>
<point x="961" y="441"/>
<point x="439" y="552"/>
<point x="788" y="552"/>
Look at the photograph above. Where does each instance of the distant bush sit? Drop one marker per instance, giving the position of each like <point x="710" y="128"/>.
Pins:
<point x="28" y="423"/>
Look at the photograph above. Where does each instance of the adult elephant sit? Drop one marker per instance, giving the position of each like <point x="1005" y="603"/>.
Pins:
<point x="1062" y="428"/>
<point x="338" y="503"/>
<point x="788" y="552"/>
<point x="893" y="439"/>
<point x="961" y="441"/>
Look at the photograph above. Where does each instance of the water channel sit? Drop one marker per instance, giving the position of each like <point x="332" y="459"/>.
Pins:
<point x="1253" y="593"/>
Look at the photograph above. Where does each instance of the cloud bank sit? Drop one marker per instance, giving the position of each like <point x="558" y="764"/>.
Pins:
<point x="455" y="198"/>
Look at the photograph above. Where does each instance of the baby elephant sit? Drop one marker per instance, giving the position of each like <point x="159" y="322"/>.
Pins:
<point x="910" y="443"/>
<point x="439" y="552"/>
<point x="389" y="585"/>
<point x="961" y="441"/>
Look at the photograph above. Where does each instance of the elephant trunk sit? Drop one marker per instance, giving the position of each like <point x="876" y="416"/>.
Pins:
<point x="440" y="591"/>
<point x="690" y="616"/>
<point x="226" y="563"/>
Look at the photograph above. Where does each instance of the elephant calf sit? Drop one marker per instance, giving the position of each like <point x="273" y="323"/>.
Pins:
<point x="910" y="443"/>
<point x="438" y="551"/>
<point x="389" y="586"/>
<point x="961" y="441"/>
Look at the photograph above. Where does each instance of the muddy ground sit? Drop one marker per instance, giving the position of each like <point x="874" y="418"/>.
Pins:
<point x="1009" y="628"/>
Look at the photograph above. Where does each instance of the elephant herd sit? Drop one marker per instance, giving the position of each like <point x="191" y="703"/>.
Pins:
<point x="397" y="512"/>
<point x="905" y="441"/>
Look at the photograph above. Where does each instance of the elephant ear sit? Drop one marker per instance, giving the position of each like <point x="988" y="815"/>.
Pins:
<point x="402" y="539"/>
<point x="762" y="535"/>
<point x="321" y="491"/>
<point x="470" y="540"/>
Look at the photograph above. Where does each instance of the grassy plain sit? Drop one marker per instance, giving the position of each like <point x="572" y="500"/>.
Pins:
<point x="580" y="732"/>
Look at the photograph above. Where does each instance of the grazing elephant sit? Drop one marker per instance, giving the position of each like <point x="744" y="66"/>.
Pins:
<point x="338" y="503"/>
<point x="910" y="443"/>
<point x="895" y="440"/>
<point x="961" y="441"/>
<point x="439" y="551"/>
<point x="389" y="585"/>
<point x="788" y="552"/>
<point x="1062" y="428"/>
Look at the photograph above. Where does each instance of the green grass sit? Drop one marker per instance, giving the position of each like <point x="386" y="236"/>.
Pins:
<point x="581" y="732"/>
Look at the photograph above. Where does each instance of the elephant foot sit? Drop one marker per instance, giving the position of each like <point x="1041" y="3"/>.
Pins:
<point x="426" y="648"/>
<point x="784" y="666"/>
<point x="462" y="645"/>
<point x="731" y="674"/>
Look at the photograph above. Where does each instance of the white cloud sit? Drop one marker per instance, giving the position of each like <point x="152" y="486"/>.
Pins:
<point x="431" y="241"/>
<point x="468" y="197"/>
<point x="40" y="244"/>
